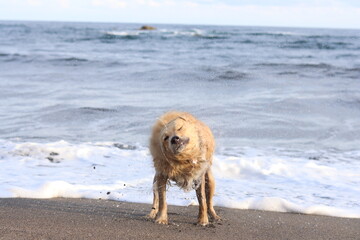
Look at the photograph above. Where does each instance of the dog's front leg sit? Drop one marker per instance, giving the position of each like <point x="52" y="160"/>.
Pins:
<point x="201" y="196"/>
<point x="161" y="182"/>
<point x="155" y="206"/>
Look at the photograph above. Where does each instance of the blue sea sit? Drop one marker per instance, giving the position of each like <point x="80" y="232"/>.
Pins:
<point x="78" y="100"/>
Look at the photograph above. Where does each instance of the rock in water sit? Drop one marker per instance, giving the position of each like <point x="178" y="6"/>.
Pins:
<point x="146" y="27"/>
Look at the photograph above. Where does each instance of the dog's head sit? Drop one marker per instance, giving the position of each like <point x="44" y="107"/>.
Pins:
<point x="178" y="136"/>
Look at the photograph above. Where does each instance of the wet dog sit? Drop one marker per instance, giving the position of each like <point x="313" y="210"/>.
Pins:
<point x="182" y="148"/>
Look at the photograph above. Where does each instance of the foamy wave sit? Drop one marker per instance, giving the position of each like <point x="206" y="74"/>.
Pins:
<point x="254" y="179"/>
<point x="128" y="35"/>
<point x="49" y="190"/>
<point x="123" y="34"/>
<point x="275" y="204"/>
<point x="264" y="165"/>
<point x="163" y="33"/>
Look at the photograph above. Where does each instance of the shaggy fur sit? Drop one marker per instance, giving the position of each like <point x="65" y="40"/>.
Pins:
<point x="182" y="149"/>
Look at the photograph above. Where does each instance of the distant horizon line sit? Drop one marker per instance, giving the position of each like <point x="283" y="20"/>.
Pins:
<point x="184" y="24"/>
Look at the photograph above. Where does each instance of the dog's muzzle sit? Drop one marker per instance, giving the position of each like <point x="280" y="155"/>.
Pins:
<point x="177" y="143"/>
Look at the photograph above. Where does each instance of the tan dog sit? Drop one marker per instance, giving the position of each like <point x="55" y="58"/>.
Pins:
<point x="182" y="148"/>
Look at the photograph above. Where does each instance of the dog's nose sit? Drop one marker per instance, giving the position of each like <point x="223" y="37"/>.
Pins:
<point x="175" y="139"/>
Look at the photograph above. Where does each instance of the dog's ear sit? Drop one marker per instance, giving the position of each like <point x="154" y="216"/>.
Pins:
<point x="183" y="118"/>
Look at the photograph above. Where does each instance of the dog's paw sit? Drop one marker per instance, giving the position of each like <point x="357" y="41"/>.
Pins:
<point x="151" y="215"/>
<point x="162" y="221"/>
<point x="215" y="218"/>
<point x="202" y="223"/>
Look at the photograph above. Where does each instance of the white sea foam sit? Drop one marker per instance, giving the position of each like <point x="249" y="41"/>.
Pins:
<point x="165" y="33"/>
<point x="272" y="179"/>
<point x="123" y="33"/>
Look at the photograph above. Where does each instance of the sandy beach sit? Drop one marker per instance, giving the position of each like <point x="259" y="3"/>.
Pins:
<point x="62" y="218"/>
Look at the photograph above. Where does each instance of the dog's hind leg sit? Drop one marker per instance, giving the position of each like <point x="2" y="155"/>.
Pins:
<point x="210" y="190"/>
<point x="155" y="206"/>
<point x="201" y="196"/>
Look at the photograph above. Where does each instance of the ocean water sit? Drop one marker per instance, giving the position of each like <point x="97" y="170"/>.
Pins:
<point x="78" y="100"/>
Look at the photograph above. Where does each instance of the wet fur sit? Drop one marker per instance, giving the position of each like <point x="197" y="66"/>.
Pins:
<point x="189" y="167"/>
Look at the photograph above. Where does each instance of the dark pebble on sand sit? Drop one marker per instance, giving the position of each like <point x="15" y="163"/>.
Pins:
<point x="108" y="193"/>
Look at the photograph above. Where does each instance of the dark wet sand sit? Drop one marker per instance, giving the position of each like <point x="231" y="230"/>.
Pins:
<point x="101" y="219"/>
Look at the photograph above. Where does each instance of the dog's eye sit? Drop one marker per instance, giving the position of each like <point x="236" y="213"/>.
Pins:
<point x="180" y="128"/>
<point x="166" y="138"/>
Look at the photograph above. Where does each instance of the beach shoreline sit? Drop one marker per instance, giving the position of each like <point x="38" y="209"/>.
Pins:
<point x="67" y="218"/>
<point x="77" y="118"/>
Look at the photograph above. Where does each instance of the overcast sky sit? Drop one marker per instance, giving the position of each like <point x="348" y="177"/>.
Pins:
<point x="292" y="13"/>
